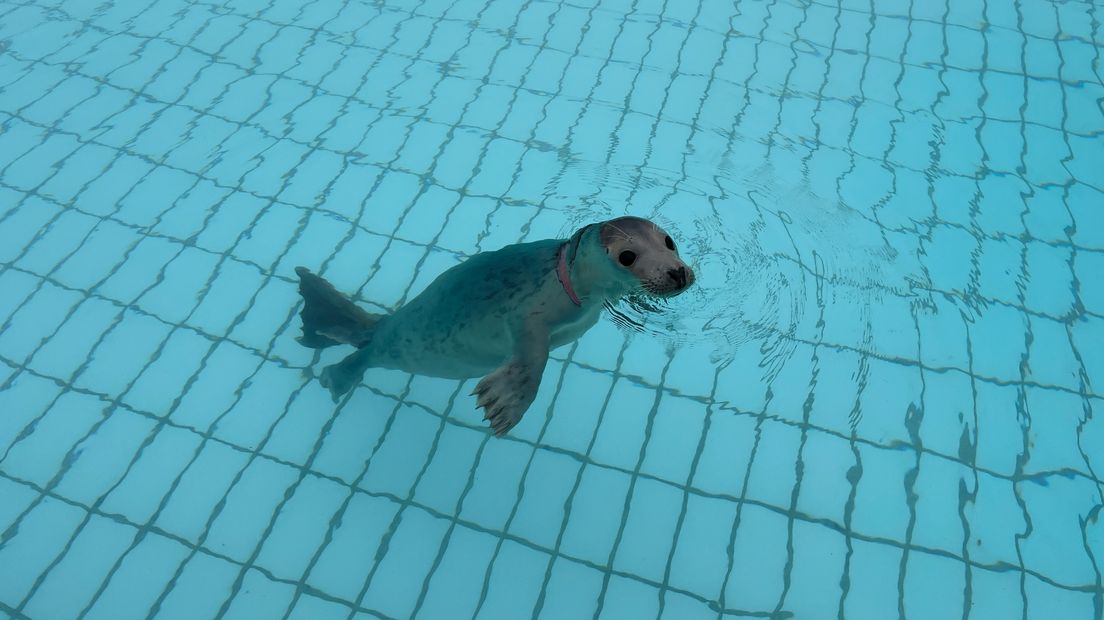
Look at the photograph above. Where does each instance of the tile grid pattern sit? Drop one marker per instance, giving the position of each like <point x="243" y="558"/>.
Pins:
<point x="46" y="140"/>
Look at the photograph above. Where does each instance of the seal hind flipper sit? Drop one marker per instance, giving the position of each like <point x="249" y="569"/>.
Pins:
<point x="329" y="317"/>
<point x="343" y="376"/>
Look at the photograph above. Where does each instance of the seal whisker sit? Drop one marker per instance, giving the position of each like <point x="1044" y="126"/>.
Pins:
<point x="624" y="235"/>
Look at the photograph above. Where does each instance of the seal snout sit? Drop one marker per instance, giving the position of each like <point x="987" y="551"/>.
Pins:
<point x="677" y="280"/>
<point x="679" y="277"/>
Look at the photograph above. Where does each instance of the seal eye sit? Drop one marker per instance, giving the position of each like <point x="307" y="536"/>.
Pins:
<point x="670" y="243"/>
<point x="626" y="258"/>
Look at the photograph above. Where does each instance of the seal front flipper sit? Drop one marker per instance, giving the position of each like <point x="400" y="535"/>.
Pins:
<point x="329" y="317"/>
<point x="506" y="393"/>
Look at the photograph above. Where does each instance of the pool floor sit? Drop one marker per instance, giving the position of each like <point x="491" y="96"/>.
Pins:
<point x="880" y="400"/>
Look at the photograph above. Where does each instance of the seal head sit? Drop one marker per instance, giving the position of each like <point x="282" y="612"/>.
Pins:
<point x="622" y="256"/>
<point x="647" y="252"/>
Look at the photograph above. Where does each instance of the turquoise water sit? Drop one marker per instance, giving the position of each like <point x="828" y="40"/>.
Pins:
<point x="881" y="398"/>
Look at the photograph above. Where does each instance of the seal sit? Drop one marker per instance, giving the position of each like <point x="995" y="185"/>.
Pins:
<point x="497" y="314"/>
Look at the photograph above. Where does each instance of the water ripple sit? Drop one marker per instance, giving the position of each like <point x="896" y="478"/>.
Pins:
<point x="765" y="247"/>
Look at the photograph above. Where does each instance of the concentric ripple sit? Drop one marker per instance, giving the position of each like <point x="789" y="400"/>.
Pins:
<point x="770" y="255"/>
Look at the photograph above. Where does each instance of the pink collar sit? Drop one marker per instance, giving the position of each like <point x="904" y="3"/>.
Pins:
<point x="565" y="277"/>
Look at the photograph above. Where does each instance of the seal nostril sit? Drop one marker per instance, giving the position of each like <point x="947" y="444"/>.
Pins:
<point x="679" y="276"/>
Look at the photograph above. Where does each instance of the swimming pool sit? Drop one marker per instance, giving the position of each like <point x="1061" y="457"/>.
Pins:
<point x="881" y="398"/>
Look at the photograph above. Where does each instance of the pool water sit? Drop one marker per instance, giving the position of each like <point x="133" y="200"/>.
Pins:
<point x="881" y="399"/>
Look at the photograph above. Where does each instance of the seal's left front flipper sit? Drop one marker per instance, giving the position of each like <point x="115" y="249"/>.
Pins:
<point x="506" y="393"/>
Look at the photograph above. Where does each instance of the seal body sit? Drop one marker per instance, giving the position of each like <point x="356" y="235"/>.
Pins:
<point x="465" y="323"/>
<point x="496" y="315"/>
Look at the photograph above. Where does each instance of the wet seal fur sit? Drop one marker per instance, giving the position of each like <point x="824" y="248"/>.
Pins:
<point x="498" y="313"/>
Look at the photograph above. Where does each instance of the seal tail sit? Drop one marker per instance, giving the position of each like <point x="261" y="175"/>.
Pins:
<point x="329" y="317"/>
